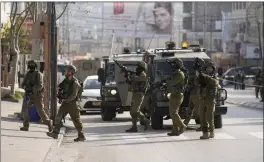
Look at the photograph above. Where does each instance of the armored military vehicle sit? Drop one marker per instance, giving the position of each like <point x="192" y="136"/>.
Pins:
<point x="116" y="97"/>
<point x="158" y="100"/>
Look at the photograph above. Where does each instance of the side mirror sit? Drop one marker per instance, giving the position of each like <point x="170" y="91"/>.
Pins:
<point x="222" y="94"/>
<point x="101" y="75"/>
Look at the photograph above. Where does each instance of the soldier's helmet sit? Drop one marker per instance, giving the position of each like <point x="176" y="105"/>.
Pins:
<point x="72" y="68"/>
<point x="210" y="63"/>
<point x="142" y="64"/>
<point x="178" y="62"/>
<point x="32" y="63"/>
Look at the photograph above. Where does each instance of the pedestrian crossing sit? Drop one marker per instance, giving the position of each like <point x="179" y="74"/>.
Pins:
<point x="163" y="136"/>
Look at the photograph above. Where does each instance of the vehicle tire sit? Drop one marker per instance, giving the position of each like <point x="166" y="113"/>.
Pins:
<point x="83" y="112"/>
<point x="218" y="121"/>
<point x="156" y="121"/>
<point x="108" y="114"/>
<point x="197" y="121"/>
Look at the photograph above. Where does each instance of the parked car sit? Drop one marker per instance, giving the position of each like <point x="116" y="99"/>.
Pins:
<point x="249" y="71"/>
<point x="91" y="99"/>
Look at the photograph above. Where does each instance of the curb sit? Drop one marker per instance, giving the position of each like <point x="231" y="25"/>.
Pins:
<point x="55" y="144"/>
<point x="10" y="100"/>
<point x="245" y="104"/>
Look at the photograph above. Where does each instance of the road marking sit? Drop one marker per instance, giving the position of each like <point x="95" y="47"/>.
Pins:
<point x="135" y="137"/>
<point x="91" y="138"/>
<point x="257" y="134"/>
<point x="179" y="138"/>
<point x="223" y="136"/>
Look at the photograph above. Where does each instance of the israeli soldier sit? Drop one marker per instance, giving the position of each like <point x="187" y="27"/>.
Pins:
<point x="209" y="85"/>
<point x="175" y="86"/>
<point x="193" y="88"/>
<point x="138" y="84"/>
<point x="33" y="86"/>
<point x="69" y="105"/>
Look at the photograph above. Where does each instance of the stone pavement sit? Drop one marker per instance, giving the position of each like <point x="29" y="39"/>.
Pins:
<point x="245" y="98"/>
<point x="31" y="146"/>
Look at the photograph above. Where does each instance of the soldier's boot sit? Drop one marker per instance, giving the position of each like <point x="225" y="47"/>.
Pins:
<point x="174" y="132"/>
<point x="205" y="135"/>
<point x="24" y="128"/>
<point x="212" y="134"/>
<point x="186" y="121"/>
<point x="199" y="129"/>
<point x="80" y="138"/>
<point x="146" y="124"/>
<point x="53" y="134"/>
<point x="50" y="126"/>
<point x="182" y="129"/>
<point x="133" y="128"/>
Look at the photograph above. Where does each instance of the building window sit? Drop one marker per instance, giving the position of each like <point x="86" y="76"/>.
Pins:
<point x="187" y="7"/>
<point x="244" y="5"/>
<point x="187" y="23"/>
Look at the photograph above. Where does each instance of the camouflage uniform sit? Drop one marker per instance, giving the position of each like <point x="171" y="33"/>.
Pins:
<point x="33" y="85"/>
<point x="175" y="86"/>
<point x="69" y="105"/>
<point x="138" y="84"/>
<point x="194" y="102"/>
<point x="209" y="84"/>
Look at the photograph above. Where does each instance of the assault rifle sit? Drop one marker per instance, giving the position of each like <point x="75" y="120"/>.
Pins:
<point x="173" y="64"/>
<point x="198" y="64"/>
<point x="124" y="69"/>
<point x="61" y="92"/>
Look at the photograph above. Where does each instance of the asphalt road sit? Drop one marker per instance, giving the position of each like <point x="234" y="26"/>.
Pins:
<point x="240" y="140"/>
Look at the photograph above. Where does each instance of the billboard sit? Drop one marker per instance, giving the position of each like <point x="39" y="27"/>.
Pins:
<point x="143" y="20"/>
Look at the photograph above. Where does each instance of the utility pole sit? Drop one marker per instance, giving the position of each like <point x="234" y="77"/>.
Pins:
<point x="263" y="38"/>
<point x="204" y="25"/>
<point x="53" y="60"/>
<point x="68" y="31"/>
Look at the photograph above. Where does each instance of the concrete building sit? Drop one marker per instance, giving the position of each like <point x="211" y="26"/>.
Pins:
<point x="203" y="22"/>
<point x="245" y="32"/>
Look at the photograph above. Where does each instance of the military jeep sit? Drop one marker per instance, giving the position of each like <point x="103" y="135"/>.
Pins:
<point x="116" y="97"/>
<point x="157" y="103"/>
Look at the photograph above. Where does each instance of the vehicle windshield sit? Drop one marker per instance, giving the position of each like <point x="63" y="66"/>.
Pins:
<point x="131" y="67"/>
<point x="110" y="73"/>
<point x="92" y="84"/>
<point x="167" y="70"/>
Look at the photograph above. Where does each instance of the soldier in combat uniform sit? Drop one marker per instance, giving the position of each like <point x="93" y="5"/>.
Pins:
<point x="33" y="86"/>
<point x="193" y="87"/>
<point x="69" y="105"/>
<point x="209" y="85"/>
<point x="138" y="83"/>
<point x="175" y="86"/>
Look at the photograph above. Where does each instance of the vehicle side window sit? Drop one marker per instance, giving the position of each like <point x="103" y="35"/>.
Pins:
<point x="87" y="66"/>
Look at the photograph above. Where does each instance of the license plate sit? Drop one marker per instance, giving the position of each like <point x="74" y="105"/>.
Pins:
<point x="97" y="103"/>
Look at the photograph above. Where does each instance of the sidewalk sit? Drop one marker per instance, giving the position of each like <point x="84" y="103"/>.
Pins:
<point x="31" y="146"/>
<point x="244" y="98"/>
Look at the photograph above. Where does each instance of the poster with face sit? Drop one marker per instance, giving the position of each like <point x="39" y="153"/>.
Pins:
<point x="143" y="20"/>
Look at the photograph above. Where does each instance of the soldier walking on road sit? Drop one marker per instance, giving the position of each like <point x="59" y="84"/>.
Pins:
<point x="209" y="85"/>
<point x="138" y="83"/>
<point x="175" y="86"/>
<point x="69" y="105"/>
<point x="193" y="87"/>
<point x="33" y="86"/>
